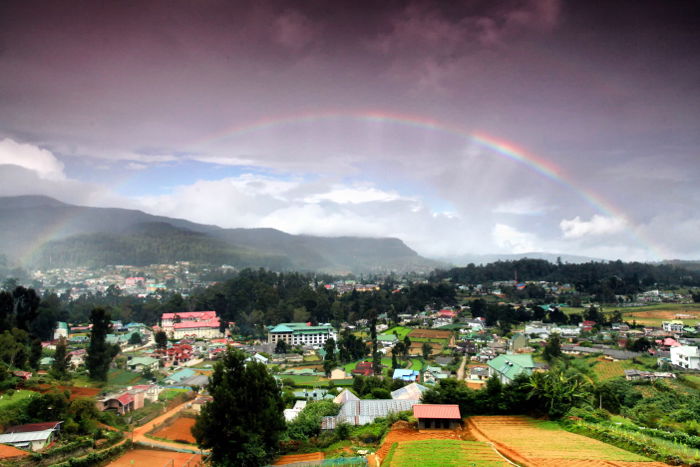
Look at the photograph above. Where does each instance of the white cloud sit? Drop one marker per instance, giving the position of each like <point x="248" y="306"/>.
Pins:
<point x="353" y="195"/>
<point x="522" y="207"/>
<point x="513" y="240"/>
<point x="31" y="157"/>
<point x="598" y="225"/>
<point x="136" y="166"/>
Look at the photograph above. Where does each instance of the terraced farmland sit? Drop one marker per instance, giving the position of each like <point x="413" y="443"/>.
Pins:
<point x="532" y="443"/>
<point x="443" y="452"/>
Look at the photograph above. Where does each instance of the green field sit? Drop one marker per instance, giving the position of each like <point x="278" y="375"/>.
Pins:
<point x="8" y="401"/>
<point x="168" y="394"/>
<point x="117" y="377"/>
<point x="401" y="331"/>
<point x="386" y="361"/>
<point x="416" y="364"/>
<point x="443" y="452"/>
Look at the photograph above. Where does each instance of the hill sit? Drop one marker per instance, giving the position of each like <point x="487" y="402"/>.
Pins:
<point x="41" y="232"/>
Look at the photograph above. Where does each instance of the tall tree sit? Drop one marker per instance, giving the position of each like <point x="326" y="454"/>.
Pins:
<point x="243" y="423"/>
<point x="99" y="352"/>
<point x="59" y="367"/>
<point x="161" y="340"/>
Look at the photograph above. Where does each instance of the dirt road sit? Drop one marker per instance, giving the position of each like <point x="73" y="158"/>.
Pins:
<point x="139" y="433"/>
<point x="460" y="371"/>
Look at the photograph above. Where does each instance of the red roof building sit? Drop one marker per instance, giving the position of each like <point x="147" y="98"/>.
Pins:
<point x="437" y="416"/>
<point x="29" y="427"/>
<point x="364" y="369"/>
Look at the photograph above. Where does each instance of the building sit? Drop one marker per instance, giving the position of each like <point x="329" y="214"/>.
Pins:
<point x="686" y="356"/>
<point x="197" y="324"/>
<point x="61" y="331"/>
<point x="413" y="391"/>
<point x="363" y="369"/>
<point x="672" y="326"/>
<point x="437" y="416"/>
<point x="404" y="374"/>
<point x="365" y="411"/>
<point x="507" y="367"/>
<point x="299" y="334"/>
<point x="32" y="436"/>
<point x="141" y="363"/>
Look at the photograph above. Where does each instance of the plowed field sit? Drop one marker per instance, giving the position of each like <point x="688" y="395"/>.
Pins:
<point x="75" y="391"/>
<point x="292" y="458"/>
<point x="429" y="334"/>
<point x="154" y="458"/>
<point x="444" y="453"/>
<point x="533" y="443"/>
<point x="180" y="430"/>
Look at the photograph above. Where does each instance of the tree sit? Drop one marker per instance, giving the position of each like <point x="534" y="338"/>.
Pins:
<point x="161" y="340"/>
<point x="135" y="339"/>
<point x="427" y="349"/>
<point x="99" y="352"/>
<point x="35" y="351"/>
<point x="281" y="347"/>
<point x="552" y="350"/>
<point x="59" y="367"/>
<point x="557" y="390"/>
<point x="243" y="423"/>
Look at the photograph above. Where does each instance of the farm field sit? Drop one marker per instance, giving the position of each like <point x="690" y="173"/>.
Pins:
<point x="429" y="334"/>
<point x="179" y="431"/>
<point x="153" y="458"/>
<point x="607" y="369"/>
<point x="294" y="458"/>
<point x="8" y="401"/>
<point x="653" y="315"/>
<point x="535" y="443"/>
<point x="75" y="391"/>
<point x="402" y="331"/>
<point x="439" y="452"/>
<point x="118" y="377"/>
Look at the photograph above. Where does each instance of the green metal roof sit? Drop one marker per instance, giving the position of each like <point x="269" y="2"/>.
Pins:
<point x="511" y="365"/>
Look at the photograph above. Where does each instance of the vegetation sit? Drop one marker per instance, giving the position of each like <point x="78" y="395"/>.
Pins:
<point x="244" y="422"/>
<point x="99" y="352"/>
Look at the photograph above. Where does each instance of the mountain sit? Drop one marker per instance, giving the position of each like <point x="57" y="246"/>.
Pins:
<point x="41" y="232"/>
<point x="463" y="260"/>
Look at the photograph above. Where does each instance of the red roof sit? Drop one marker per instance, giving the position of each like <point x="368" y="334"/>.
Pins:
<point x="125" y="398"/>
<point x="29" y="427"/>
<point x="191" y="315"/>
<point x="449" y="411"/>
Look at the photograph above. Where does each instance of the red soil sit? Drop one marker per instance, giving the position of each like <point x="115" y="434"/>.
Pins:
<point x="292" y="458"/>
<point x="152" y="458"/>
<point x="180" y="430"/>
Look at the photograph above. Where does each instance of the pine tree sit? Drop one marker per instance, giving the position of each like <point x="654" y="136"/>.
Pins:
<point x="59" y="368"/>
<point x="99" y="352"/>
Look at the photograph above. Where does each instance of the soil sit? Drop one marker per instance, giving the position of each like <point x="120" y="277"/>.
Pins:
<point x="152" y="458"/>
<point x="430" y="334"/>
<point x="75" y="391"/>
<point x="404" y="431"/>
<point x="180" y="430"/>
<point x="292" y="458"/>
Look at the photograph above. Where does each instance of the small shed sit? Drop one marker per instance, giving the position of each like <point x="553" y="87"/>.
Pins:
<point x="437" y="416"/>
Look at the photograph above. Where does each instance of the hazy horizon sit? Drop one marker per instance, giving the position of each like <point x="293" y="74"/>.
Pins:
<point x="468" y="127"/>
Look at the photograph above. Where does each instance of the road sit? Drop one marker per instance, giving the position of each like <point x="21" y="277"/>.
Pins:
<point x="139" y="433"/>
<point x="460" y="371"/>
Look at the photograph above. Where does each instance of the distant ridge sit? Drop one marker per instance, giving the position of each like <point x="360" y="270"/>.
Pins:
<point x="463" y="260"/>
<point x="41" y="232"/>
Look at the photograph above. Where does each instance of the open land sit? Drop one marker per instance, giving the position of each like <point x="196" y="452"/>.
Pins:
<point x="531" y="442"/>
<point x="152" y="458"/>
<point x="180" y="431"/>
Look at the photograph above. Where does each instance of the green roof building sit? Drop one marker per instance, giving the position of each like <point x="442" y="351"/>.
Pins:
<point x="301" y="334"/>
<point x="507" y="367"/>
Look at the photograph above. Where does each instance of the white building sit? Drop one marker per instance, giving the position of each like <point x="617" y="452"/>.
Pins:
<point x="301" y="334"/>
<point x="672" y="326"/>
<point x="686" y="356"/>
<point x="61" y="331"/>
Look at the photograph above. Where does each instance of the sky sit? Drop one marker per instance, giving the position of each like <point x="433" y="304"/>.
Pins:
<point x="472" y="127"/>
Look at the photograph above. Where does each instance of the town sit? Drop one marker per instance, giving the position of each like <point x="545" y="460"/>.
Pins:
<point x="353" y="387"/>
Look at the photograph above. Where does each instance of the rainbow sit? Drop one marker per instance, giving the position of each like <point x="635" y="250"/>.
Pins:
<point x="500" y="147"/>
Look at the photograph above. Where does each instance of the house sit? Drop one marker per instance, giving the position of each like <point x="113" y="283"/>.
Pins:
<point x="432" y="374"/>
<point x="363" y="369"/>
<point x="387" y="340"/>
<point x="479" y="373"/>
<point x="23" y="375"/>
<point x="291" y="414"/>
<point x="197" y="324"/>
<point x="639" y="375"/>
<point x="199" y="381"/>
<point x="77" y="357"/>
<point x="180" y="376"/>
<point x="256" y="357"/>
<point x="338" y="373"/>
<point x="673" y="326"/>
<point x="437" y="416"/>
<point x="507" y="367"/>
<point x="142" y="363"/>
<point x="344" y="396"/>
<point x="32" y="436"/>
<point x="587" y="325"/>
<point x="404" y="374"/>
<point x="517" y="342"/>
<point x="686" y="356"/>
<point x="61" y="330"/>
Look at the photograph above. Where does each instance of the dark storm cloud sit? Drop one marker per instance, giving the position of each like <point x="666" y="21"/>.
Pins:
<point x="608" y="91"/>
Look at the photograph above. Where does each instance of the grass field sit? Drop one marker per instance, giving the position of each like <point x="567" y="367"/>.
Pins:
<point x="606" y="369"/>
<point x="168" y="394"/>
<point x="117" y="377"/>
<point x="402" y="331"/>
<point x="653" y="315"/>
<point x="546" y="444"/>
<point x="443" y="452"/>
<point x="8" y="401"/>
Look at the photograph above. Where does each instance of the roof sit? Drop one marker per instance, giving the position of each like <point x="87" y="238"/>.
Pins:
<point x="362" y="412"/>
<point x="447" y="411"/>
<point x="125" y="398"/>
<point x="512" y="365"/>
<point x="11" y="438"/>
<point x="412" y="391"/>
<point x="29" y="427"/>
<point x="196" y="380"/>
<point x="191" y="315"/>
<point x="182" y="374"/>
<point x="143" y="361"/>
<point x="210" y="323"/>
<point x="345" y="396"/>
<point x="301" y="327"/>
<point x="405" y="373"/>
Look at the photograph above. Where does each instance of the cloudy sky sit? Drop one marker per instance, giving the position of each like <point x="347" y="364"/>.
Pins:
<point x="459" y="127"/>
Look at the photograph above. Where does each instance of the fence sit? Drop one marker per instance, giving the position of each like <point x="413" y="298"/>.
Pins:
<point x="338" y="461"/>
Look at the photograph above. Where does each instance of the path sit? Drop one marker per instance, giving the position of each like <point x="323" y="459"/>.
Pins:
<point x="139" y="433"/>
<point x="460" y="371"/>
